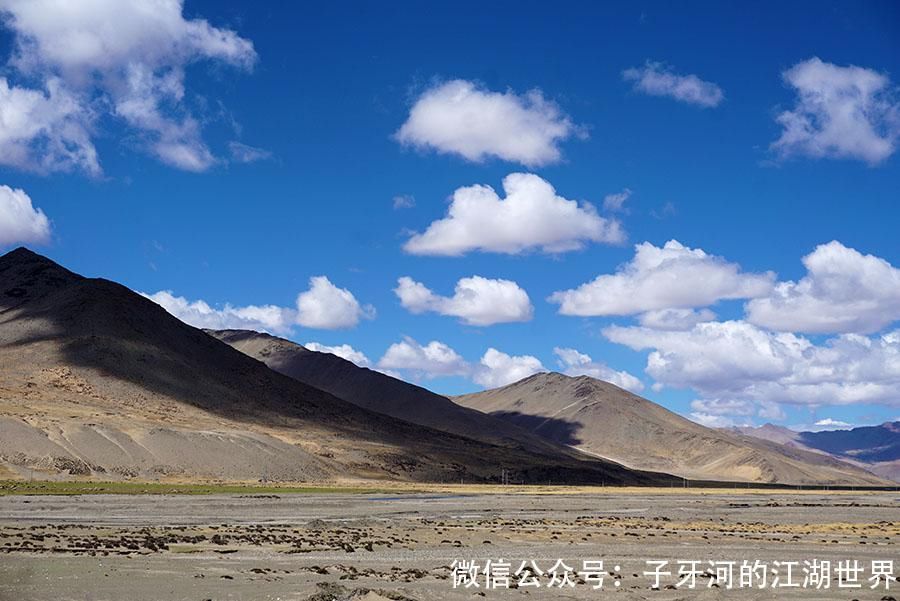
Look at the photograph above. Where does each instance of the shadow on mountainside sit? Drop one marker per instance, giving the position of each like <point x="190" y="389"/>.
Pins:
<point x="123" y="336"/>
<point x="558" y="430"/>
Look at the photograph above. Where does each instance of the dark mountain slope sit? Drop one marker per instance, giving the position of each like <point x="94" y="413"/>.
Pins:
<point x="382" y="393"/>
<point x="96" y="379"/>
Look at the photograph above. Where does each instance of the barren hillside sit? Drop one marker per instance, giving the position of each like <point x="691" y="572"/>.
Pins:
<point x="605" y="420"/>
<point x="97" y="380"/>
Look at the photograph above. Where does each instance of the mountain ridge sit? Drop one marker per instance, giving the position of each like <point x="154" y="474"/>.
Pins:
<point x="602" y="419"/>
<point x="100" y="381"/>
<point x="875" y="448"/>
<point x="379" y="392"/>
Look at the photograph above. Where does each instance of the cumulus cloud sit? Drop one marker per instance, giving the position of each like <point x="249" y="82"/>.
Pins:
<point x="719" y="413"/>
<point x="459" y="117"/>
<point x="125" y="57"/>
<point x="575" y="363"/>
<point x="324" y="306"/>
<point x="45" y="130"/>
<point x="477" y="301"/>
<point x="198" y="313"/>
<point x="327" y="307"/>
<point x="671" y="277"/>
<point x="840" y="112"/>
<point x="843" y="291"/>
<point x="431" y="360"/>
<point x="437" y="359"/>
<point x="675" y="319"/>
<point x="711" y="420"/>
<point x="724" y="406"/>
<point x="735" y="360"/>
<point x="499" y="369"/>
<point x="531" y="216"/>
<point x="344" y="351"/>
<point x="20" y="221"/>
<point x="656" y="79"/>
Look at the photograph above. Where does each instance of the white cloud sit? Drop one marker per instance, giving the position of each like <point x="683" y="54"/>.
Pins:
<point x="615" y="203"/>
<point x="327" y="307"/>
<point x="198" y="313"/>
<point x="825" y="425"/>
<point x="324" y="306"/>
<point x="20" y="221"/>
<point x="724" y="406"/>
<point x="657" y="79"/>
<point x="575" y="363"/>
<point x="771" y="411"/>
<point x="737" y="360"/>
<point x="459" y="117"/>
<point x="404" y="201"/>
<point x="833" y="424"/>
<point x="344" y="351"/>
<point x="711" y="420"/>
<point x="436" y="359"/>
<point x="675" y="319"/>
<point x="243" y="153"/>
<point x="843" y="291"/>
<point x="431" y="360"/>
<point x="705" y="410"/>
<point x="45" y="130"/>
<point x="499" y="369"/>
<point x="127" y="57"/>
<point x="476" y="300"/>
<point x="666" y="211"/>
<point x="840" y="112"/>
<point x="531" y="216"/>
<point x="671" y="277"/>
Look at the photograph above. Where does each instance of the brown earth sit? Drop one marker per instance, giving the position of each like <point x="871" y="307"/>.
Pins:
<point x="341" y="547"/>
<point x="602" y="419"/>
<point x="98" y="381"/>
<point x="379" y="392"/>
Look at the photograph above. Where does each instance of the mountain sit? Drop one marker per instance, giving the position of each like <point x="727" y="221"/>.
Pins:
<point x="97" y="380"/>
<point x="382" y="393"/>
<point x="604" y="420"/>
<point x="870" y="444"/>
<point x="876" y="448"/>
<point x="769" y="432"/>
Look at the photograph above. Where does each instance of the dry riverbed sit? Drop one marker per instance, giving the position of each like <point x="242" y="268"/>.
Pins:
<point x="323" y="547"/>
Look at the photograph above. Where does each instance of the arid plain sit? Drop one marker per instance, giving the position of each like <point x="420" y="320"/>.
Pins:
<point x="402" y="545"/>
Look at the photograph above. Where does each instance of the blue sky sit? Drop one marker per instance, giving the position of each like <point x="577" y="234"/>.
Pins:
<point x="276" y="160"/>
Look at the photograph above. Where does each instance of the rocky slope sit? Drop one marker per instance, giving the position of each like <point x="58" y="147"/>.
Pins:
<point x="607" y="421"/>
<point x="97" y="380"/>
<point x="379" y="392"/>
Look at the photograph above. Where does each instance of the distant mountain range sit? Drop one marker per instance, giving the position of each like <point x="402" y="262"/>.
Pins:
<point x="876" y="448"/>
<point x="98" y="381"/>
<point x="579" y="413"/>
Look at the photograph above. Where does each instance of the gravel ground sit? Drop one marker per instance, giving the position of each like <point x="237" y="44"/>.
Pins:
<point x="375" y="547"/>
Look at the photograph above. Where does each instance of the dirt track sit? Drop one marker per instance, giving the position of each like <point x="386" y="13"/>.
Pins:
<point x="288" y="546"/>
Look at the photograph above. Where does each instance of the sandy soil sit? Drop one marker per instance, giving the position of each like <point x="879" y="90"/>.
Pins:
<point x="374" y="547"/>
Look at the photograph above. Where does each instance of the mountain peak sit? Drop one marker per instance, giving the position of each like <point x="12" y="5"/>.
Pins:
<point x="23" y="255"/>
<point x="235" y="337"/>
<point x="24" y="275"/>
<point x="554" y="379"/>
